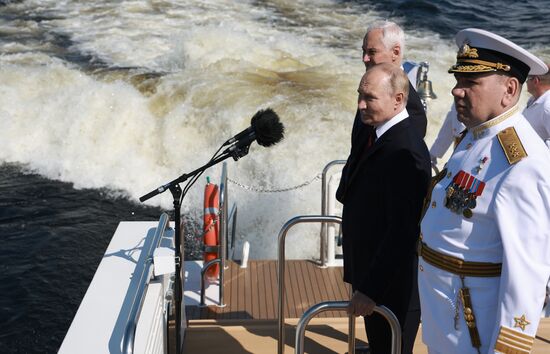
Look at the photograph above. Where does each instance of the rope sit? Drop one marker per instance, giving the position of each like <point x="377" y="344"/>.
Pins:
<point x="213" y="222"/>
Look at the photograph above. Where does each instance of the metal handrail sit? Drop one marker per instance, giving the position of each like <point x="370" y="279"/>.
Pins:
<point x="232" y="217"/>
<point x="203" y="287"/>
<point x="143" y="270"/>
<point x="166" y="315"/>
<point x="312" y="312"/>
<point x="281" y="265"/>
<point x="342" y="306"/>
<point x="222" y="250"/>
<point x="223" y="218"/>
<point x="324" y="202"/>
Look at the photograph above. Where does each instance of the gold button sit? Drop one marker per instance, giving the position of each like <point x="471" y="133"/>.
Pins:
<point x="434" y="204"/>
<point x="449" y="174"/>
<point x="421" y="268"/>
<point x="469" y="145"/>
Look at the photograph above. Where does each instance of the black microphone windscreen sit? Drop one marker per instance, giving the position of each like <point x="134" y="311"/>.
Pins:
<point x="268" y="128"/>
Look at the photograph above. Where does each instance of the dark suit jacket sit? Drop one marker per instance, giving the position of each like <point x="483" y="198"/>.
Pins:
<point x="382" y="199"/>
<point x="416" y="111"/>
<point x="360" y="133"/>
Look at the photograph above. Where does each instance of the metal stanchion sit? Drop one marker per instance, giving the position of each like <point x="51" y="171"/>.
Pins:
<point x="281" y="266"/>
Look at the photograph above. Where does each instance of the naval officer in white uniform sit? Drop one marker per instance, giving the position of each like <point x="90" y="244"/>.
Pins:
<point x="537" y="111"/>
<point x="485" y="236"/>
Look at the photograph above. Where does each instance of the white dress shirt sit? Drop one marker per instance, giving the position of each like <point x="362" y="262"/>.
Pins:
<point x="396" y="119"/>
<point x="537" y="113"/>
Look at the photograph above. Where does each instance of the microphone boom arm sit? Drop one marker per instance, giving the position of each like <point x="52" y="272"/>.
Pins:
<point x="266" y="130"/>
<point x="237" y="151"/>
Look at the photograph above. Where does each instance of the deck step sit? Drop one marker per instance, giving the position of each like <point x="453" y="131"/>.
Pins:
<point x="247" y="323"/>
<point x="324" y="335"/>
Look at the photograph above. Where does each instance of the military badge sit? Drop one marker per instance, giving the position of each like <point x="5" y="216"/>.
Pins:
<point x="482" y="163"/>
<point x="466" y="51"/>
<point x="461" y="194"/>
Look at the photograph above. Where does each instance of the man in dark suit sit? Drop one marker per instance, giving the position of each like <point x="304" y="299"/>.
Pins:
<point x="384" y="43"/>
<point x="382" y="204"/>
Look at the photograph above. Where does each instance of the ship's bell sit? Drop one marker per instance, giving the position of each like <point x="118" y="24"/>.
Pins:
<point x="424" y="86"/>
<point x="425" y="90"/>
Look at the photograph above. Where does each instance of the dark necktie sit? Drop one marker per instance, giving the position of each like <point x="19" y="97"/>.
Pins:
<point x="371" y="138"/>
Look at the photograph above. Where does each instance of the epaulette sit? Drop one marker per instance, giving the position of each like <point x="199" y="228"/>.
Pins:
<point x="512" y="146"/>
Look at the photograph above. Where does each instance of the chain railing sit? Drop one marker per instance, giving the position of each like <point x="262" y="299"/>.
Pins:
<point x="275" y="190"/>
<point x="324" y="200"/>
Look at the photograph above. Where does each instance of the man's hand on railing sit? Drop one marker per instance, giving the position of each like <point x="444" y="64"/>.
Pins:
<point x="360" y="305"/>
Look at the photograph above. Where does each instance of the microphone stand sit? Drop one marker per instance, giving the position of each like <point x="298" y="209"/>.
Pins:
<point x="237" y="151"/>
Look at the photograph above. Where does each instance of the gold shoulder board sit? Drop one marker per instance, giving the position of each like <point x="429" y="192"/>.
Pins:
<point x="512" y="146"/>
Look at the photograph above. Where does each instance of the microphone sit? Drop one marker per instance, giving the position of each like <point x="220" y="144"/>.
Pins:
<point x="265" y="128"/>
<point x="239" y="136"/>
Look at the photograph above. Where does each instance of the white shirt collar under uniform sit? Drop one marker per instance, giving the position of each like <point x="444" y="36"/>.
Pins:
<point x="396" y="119"/>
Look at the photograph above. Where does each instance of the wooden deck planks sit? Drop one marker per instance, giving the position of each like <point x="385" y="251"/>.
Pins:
<point x="324" y="336"/>
<point x="251" y="293"/>
<point x="232" y="288"/>
<point x="270" y="278"/>
<point x="300" y="290"/>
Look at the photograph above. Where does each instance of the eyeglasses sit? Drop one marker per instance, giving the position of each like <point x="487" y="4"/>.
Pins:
<point x="531" y="78"/>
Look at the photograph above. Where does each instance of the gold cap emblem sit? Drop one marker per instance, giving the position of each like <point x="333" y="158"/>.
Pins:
<point x="466" y="52"/>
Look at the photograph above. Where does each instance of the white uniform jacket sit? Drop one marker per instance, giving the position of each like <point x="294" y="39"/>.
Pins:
<point x="537" y="113"/>
<point x="509" y="224"/>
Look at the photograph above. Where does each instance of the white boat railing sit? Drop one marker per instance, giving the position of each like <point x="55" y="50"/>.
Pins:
<point x="324" y="210"/>
<point x="342" y="306"/>
<point x="223" y="223"/>
<point x="281" y="266"/>
<point x="143" y="271"/>
<point x="225" y="218"/>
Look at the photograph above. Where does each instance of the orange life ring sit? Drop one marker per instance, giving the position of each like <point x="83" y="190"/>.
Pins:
<point x="211" y="226"/>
